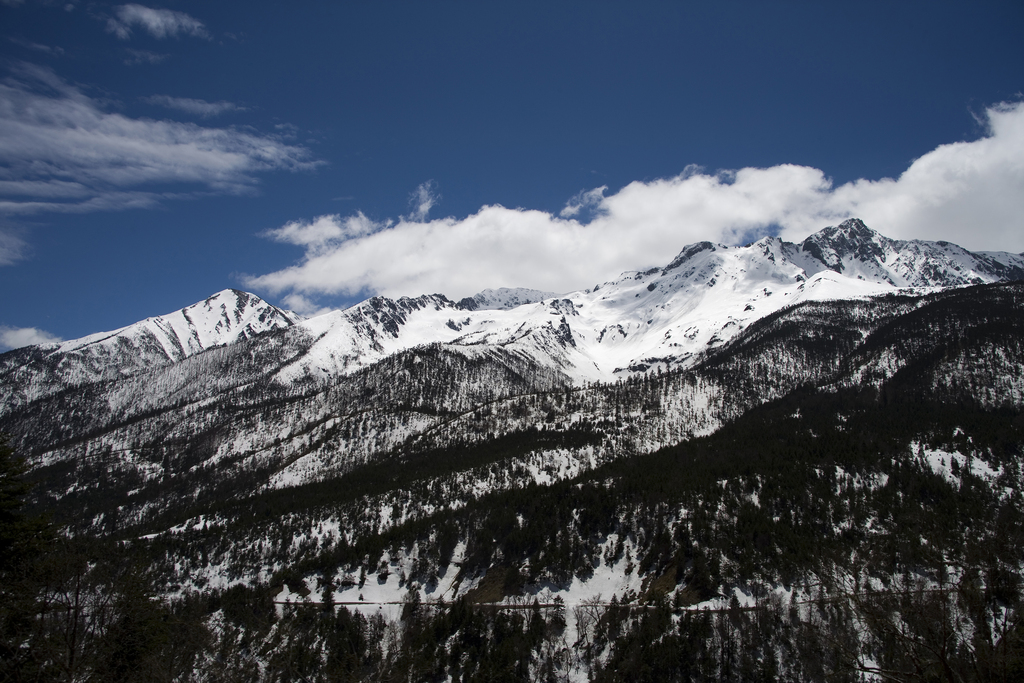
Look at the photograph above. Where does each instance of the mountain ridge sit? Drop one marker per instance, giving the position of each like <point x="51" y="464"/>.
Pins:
<point x="660" y="318"/>
<point x="223" y="318"/>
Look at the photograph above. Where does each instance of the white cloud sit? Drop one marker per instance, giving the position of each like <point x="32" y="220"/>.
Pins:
<point x="60" y="151"/>
<point x="324" y="232"/>
<point x="422" y="200"/>
<point x="195" y="107"/>
<point x="17" y="337"/>
<point x="160" y="23"/>
<point x="971" y="193"/>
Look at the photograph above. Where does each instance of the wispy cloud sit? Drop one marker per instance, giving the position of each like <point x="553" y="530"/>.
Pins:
<point x="17" y="337"/>
<point x="37" y="47"/>
<point x="61" y="151"/>
<point x="587" y="199"/>
<point x="143" y="57"/>
<point x="304" y="306"/>
<point x="190" y="106"/>
<point x="12" y="247"/>
<point x="971" y="193"/>
<point x="160" y="23"/>
<point x="422" y="200"/>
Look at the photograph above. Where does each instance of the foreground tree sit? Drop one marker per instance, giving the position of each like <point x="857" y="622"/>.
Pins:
<point x="82" y="609"/>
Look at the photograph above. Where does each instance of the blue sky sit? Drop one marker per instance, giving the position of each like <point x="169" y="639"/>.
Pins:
<point x="152" y="154"/>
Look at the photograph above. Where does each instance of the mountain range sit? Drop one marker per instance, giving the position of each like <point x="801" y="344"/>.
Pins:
<point x="384" y="439"/>
<point x="658" y="318"/>
<point x="709" y="298"/>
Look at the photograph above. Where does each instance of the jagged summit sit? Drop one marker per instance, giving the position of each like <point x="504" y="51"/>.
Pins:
<point x="855" y="250"/>
<point x="852" y="230"/>
<point x="851" y="239"/>
<point x="687" y="253"/>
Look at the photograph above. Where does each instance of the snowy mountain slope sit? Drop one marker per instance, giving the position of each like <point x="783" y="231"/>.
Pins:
<point x="220" y="423"/>
<point x="504" y="298"/>
<point x="665" y="318"/>
<point x="226" y="317"/>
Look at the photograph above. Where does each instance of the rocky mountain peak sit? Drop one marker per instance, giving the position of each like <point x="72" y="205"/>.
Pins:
<point x="851" y="239"/>
<point x="688" y="253"/>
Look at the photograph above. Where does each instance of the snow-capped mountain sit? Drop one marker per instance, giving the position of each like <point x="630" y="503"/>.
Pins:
<point x="658" y="318"/>
<point x="226" y="317"/>
<point x="854" y="250"/>
<point x="661" y="318"/>
<point x="275" y="392"/>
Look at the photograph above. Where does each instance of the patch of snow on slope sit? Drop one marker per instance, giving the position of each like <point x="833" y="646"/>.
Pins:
<point x="505" y="298"/>
<point x="952" y="466"/>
